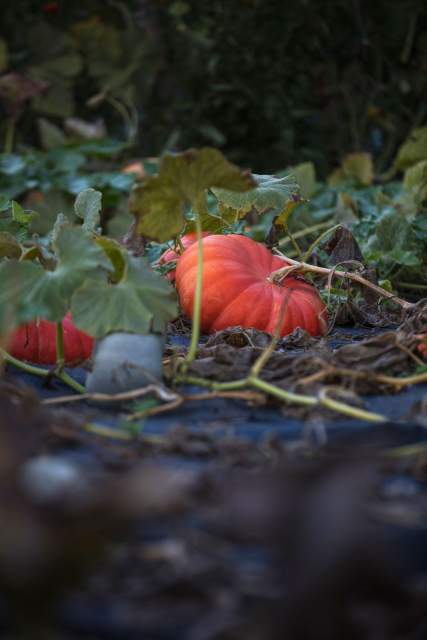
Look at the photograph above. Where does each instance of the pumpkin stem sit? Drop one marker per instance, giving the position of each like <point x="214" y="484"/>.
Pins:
<point x="9" y="136"/>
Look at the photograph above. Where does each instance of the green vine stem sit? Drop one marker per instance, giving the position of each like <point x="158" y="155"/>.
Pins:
<point x="411" y="285"/>
<point x="282" y="394"/>
<point x="41" y="373"/>
<point x="305" y="232"/>
<point x="286" y="396"/>
<point x="197" y="308"/>
<point x="265" y="355"/>
<point x="318" y="240"/>
<point x="68" y="380"/>
<point x="24" y="366"/>
<point x="60" y="357"/>
<point x="9" y="135"/>
<point x="348" y="410"/>
<point x="293" y="241"/>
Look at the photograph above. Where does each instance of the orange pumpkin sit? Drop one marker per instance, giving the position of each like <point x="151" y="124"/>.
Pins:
<point x="236" y="289"/>
<point x="170" y="255"/>
<point x="136" y="168"/>
<point x="36" y="342"/>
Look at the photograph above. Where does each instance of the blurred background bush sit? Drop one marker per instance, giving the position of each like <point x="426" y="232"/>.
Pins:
<point x="271" y="83"/>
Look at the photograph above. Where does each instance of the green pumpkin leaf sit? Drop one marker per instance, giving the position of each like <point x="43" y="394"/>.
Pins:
<point x="60" y="223"/>
<point x="5" y="203"/>
<point x="21" y="215"/>
<point x="51" y="136"/>
<point x="9" y="247"/>
<point x="270" y="192"/>
<point x="304" y="175"/>
<point x="88" y="207"/>
<point x="115" y="252"/>
<point x="360" y="167"/>
<point x="29" y="291"/>
<point x="415" y="180"/>
<point x="11" y="163"/>
<point x="142" y="302"/>
<point x="159" y="204"/>
<point x="413" y="150"/>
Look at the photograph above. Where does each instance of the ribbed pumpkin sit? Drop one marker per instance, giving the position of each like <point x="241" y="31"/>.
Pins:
<point x="236" y="290"/>
<point x="36" y="342"/>
<point x="170" y="254"/>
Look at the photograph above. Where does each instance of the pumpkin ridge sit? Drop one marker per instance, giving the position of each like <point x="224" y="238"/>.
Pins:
<point x="234" y="300"/>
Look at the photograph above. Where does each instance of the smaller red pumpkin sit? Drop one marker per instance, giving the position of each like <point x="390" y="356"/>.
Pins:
<point x="422" y="345"/>
<point x="170" y="255"/>
<point x="36" y="342"/>
<point x="136" y="167"/>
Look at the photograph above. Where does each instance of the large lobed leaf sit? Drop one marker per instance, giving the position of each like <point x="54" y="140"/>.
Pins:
<point x="28" y="291"/>
<point x="270" y="192"/>
<point x="413" y="150"/>
<point x="160" y="203"/>
<point x="142" y="302"/>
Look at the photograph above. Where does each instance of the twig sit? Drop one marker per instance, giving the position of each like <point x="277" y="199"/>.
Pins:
<point x="160" y="392"/>
<point x="278" y="275"/>
<point x="399" y="383"/>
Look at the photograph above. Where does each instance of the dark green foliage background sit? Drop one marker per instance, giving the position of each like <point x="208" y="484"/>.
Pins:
<point x="271" y="82"/>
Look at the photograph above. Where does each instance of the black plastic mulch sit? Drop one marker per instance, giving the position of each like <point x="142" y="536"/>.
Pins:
<point x="251" y="524"/>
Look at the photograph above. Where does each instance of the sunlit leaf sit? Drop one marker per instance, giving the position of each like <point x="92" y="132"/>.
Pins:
<point x="160" y="203"/>
<point x="359" y="166"/>
<point x="141" y="302"/>
<point x="305" y="177"/>
<point x="21" y="215"/>
<point x="415" y="180"/>
<point x="413" y="150"/>
<point x="356" y="167"/>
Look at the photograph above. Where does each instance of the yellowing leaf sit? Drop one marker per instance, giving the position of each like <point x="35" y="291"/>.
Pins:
<point x="360" y="167"/>
<point x="413" y="150"/>
<point x="305" y="177"/>
<point x="9" y="247"/>
<point x="282" y="219"/>
<point x="415" y="180"/>
<point x="355" y="166"/>
<point x="160" y="203"/>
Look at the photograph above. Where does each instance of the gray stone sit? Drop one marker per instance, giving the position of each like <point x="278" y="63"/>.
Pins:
<point x="126" y="361"/>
